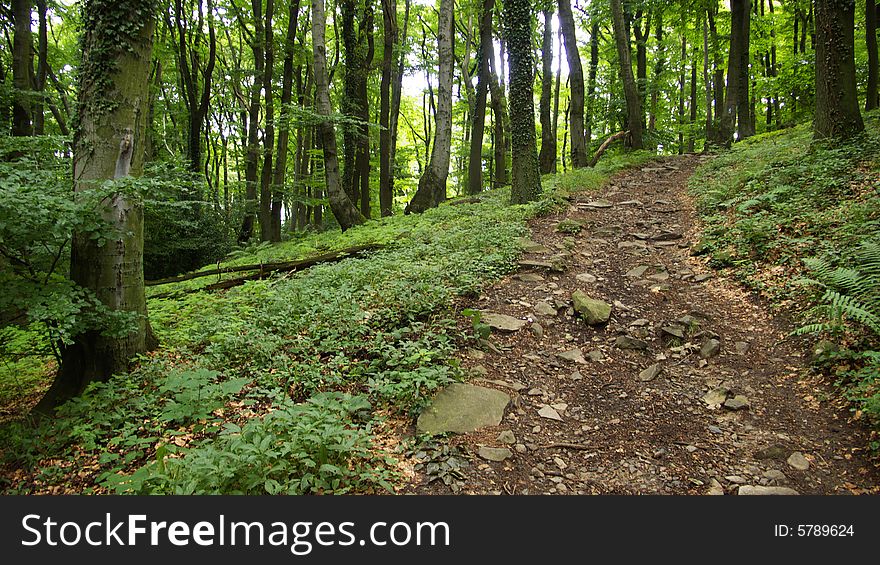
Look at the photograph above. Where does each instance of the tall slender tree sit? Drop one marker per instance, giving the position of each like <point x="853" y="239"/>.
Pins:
<point x="871" y="91"/>
<point x="22" y="67"/>
<point x="475" y="157"/>
<point x="630" y="90"/>
<point x="345" y="212"/>
<point x="576" y="85"/>
<point x="432" y="184"/>
<point x="547" y="157"/>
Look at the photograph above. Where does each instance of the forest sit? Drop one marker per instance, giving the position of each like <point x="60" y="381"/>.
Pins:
<point x="431" y="247"/>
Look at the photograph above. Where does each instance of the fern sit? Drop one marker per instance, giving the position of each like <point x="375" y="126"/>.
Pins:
<point x="851" y="293"/>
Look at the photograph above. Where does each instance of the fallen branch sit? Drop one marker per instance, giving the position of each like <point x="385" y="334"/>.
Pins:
<point x="265" y="268"/>
<point x="604" y="146"/>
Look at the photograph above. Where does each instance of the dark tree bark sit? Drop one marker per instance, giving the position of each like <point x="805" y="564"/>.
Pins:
<point x="837" y="103"/>
<point x="281" y="151"/>
<point x="718" y="101"/>
<point x="196" y="96"/>
<point x="42" y="71"/>
<point x="475" y="157"/>
<point x="556" y="89"/>
<point x="591" y="83"/>
<point x="252" y="152"/>
<point x="633" y="102"/>
<point x="389" y="69"/>
<point x="432" y="183"/>
<point x="269" y="130"/>
<point x="641" y="37"/>
<point x="396" y="91"/>
<point x="658" y="72"/>
<point x="109" y="144"/>
<point x="547" y="157"/>
<point x="22" y="68"/>
<point x="736" y="108"/>
<point x="576" y="85"/>
<point x="526" y="177"/>
<point x="871" y="95"/>
<point x="340" y="204"/>
<point x="693" y="104"/>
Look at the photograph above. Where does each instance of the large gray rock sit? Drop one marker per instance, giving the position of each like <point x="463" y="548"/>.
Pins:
<point x="591" y="310"/>
<point x="502" y="322"/>
<point x="463" y="408"/>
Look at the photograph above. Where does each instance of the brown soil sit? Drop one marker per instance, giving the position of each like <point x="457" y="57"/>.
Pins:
<point x="622" y="435"/>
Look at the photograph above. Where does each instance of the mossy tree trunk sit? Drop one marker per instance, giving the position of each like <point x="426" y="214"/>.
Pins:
<point x="432" y="184"/>
<point x="340" y="204"/>
<point x="389" y="68"/>
<point x="526" y="177"/>
<point x="109" y="143"/>
<point x="837" y="104"/>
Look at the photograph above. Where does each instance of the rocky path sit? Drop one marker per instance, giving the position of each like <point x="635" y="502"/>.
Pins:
<point x="690" y="387"/>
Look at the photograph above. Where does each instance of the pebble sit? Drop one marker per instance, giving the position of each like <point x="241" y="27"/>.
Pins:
<point x="798" y="461"/>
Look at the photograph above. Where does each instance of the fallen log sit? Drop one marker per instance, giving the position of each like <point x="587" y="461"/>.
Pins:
<point x="265" y="269"/>
<point x="605" y="145"/>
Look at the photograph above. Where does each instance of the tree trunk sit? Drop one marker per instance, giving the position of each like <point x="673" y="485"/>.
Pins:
<point x="389" y="68"/>
<point x="22" y="68"/>
<point x="837" y="103"/>
<point x="500" y="121"/>
<point x="591" y="84"/>
<point x="269" y="131"/>
<point x="658" y="72"/>
<point x="280" y="173"/>
<point x="744" y="113"/>
<point x="396" y="91"/>
<point x="736" y="107"/>
<point x="42" y="70"/>
<point x="108" y="144"/>
<point x="340" y="204"/>
<point x="547" y="157"/>
<point x="693" y="105"/>
<point x="630" y="90"/>
<point x="478" y="126"/>
<point x="525" y="178"/>
<point x="576" y="82"/>
<point x="871" y="95"/>
<point x="641" y="37"/>
<point x="432" y="184"/>
<point x="252" y="153"/>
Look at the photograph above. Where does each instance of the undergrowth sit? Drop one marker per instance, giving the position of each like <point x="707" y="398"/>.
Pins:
<point x="287" y="385"/>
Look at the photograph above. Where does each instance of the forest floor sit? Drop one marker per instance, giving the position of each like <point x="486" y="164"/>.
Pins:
<point x="599" y="418"/>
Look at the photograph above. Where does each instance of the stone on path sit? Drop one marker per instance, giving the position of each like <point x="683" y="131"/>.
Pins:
<point x="627" y="342"/>
<point x="591" y="310"/>
<point x="502" y="322"/>
<point x="529" y="277"/>
<point x="529" y="246"/>
<point x="550" y="413"/>
<point x="495" y="454"/>
<point x="507" y="437"/>
<point x="710" y="348"/>
<point x="750" y="490"/>
<point x="651" y="372"/>
<point x="574" y="355"/>
<point x="637" y="272"/>
<point x="544" y="309"/>
<point x="738" y="402"/>
<point x="586" y="278"/>
<point x="798" y="461"/>
<point x="716" y="396"/>
<point x="463" y="408"/>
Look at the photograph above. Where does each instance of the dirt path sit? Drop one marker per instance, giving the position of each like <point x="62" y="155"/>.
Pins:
<point x="617" y="431"/>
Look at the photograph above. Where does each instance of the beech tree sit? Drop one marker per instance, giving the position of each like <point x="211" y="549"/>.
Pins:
<point x="837" y="102"/>
<point x="109" y="144"/>
<point x="630" y="89"/>
<point x="432" y="184"/>
<point x="576" y="78"/>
